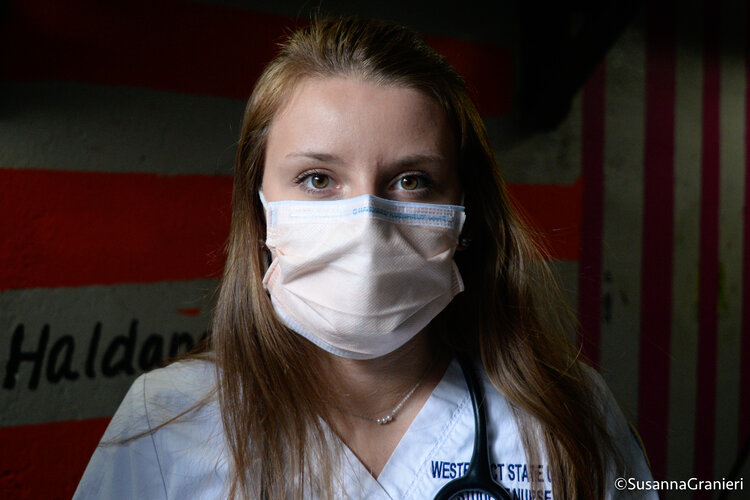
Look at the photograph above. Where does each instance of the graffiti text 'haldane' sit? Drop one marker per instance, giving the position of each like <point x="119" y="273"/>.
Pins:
<point x="121" y="356"/>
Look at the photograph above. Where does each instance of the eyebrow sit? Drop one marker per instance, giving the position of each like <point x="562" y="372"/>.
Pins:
<point x="405" y="161"/>
<point x="313" y="155"/>
<point x="417" y="159"/>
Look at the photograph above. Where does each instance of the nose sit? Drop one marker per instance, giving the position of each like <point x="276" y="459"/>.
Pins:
<point x="366" y="181"/>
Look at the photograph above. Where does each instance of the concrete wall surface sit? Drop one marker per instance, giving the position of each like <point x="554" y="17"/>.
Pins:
<point x="118" y="124"/>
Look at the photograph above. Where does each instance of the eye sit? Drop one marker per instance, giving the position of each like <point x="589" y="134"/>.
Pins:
<point x="313" y="181"/>
<point x="412" y="182"/>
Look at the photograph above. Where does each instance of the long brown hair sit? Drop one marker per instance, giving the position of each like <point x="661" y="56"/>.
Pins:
<point x="510" y="314"/>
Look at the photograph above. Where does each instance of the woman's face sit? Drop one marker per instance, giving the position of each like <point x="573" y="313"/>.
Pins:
<point x="340" y="138"/>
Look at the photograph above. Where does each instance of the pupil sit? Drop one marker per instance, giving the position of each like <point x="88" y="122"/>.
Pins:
<point x="319" y="181"/>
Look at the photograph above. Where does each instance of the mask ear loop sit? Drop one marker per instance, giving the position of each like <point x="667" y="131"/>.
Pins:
<point x="267" y="258"/>
<point x="464" y="239"/>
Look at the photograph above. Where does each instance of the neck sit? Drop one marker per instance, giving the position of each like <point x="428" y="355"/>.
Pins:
<point x="373" y="387"/>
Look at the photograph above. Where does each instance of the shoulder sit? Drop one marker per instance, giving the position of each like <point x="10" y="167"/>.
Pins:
<point x="631" y="461"/>
<point x="176" y="388"/>
<point x="167" y="433"/>
<point x="617" y="424"/>
<point x="161" y="395"/>
<point x="628" y="460"/>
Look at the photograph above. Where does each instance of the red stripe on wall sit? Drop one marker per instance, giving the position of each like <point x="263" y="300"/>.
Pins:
<point x="705" y="414"/>
<point x="486" y="68"/>
<point x="187" y="47"/>
<point x="744" y="430"/>
<point x="592" y="222"/>
<point x="84" y="228"/>
<point x="554" y="213"/>
<point x="46" y="460"/>
<point x="166" y="45"/>
<point x="658" y="235"/>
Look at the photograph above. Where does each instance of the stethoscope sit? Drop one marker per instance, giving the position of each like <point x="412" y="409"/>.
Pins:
<point x="478" y="478"/>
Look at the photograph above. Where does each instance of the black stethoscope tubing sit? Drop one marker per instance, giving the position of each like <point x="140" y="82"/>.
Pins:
<point x="478" y="478"/>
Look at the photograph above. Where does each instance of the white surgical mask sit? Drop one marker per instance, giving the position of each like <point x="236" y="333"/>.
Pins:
<point x="360" y="277"/>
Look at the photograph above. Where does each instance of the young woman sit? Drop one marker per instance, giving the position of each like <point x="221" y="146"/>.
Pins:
<point x="372" y="245"/>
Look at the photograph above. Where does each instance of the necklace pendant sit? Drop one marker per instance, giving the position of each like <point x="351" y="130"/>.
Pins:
<point x="384" y="420"/>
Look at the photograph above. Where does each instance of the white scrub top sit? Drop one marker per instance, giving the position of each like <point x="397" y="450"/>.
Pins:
<point x="187" y="458"/>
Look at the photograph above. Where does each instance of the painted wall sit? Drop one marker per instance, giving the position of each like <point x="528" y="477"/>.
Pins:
<point x="117" y="131"/>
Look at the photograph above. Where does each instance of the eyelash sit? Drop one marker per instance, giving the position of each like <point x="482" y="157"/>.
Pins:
<point x="304" y="176"/>
<point x="426" y="180"/>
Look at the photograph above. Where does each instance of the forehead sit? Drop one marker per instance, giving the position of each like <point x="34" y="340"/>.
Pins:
<point x="356" y="90"/>
<point x="355" y="114"/>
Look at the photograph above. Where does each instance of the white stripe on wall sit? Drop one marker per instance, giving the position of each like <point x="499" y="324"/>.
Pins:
<point x="623" y="214"/>
<point x="78" y="126"/>
<point x="545" y="158"/>
<point x="687" y="178"/>
<point x="75" y="312"/>
<point x="732" y="183"/>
